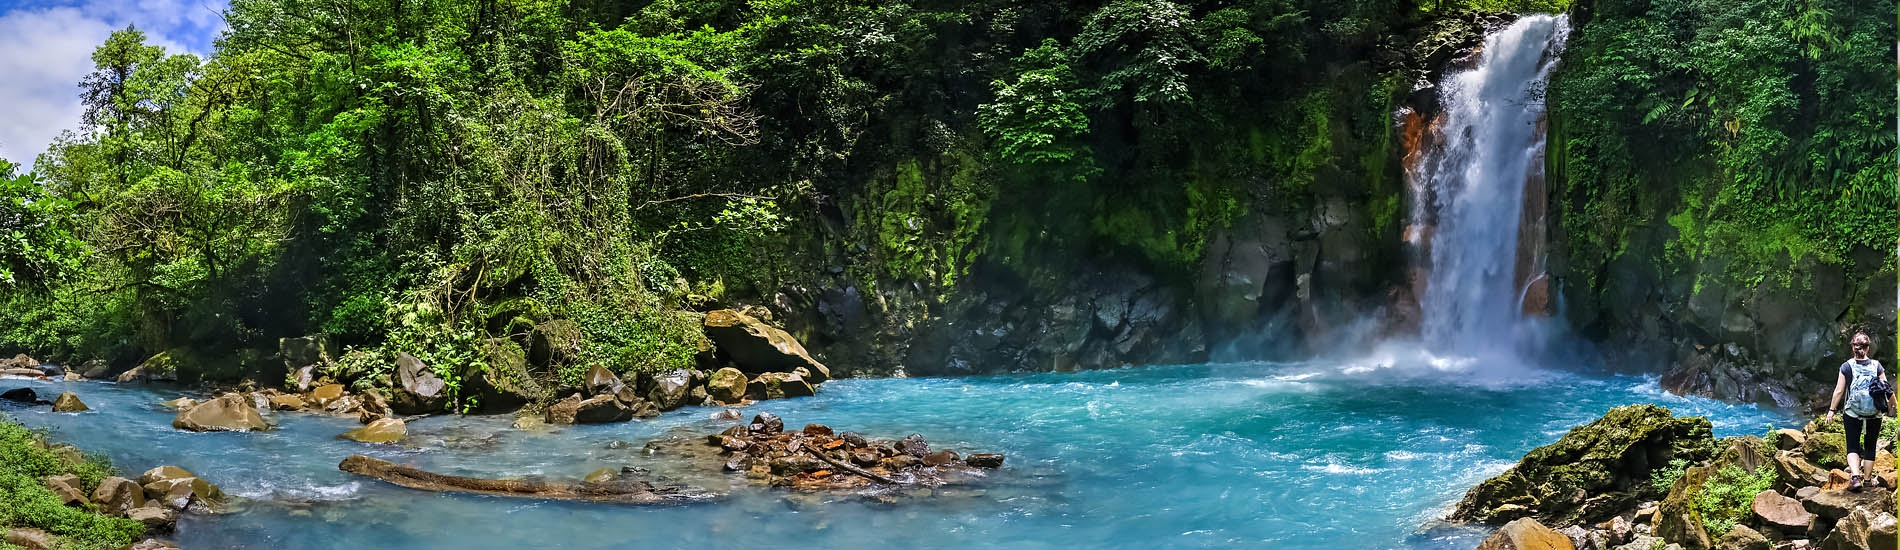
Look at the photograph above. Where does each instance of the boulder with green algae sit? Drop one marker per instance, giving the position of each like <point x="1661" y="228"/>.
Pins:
<point x="727" y="386"/>
<point x="1677" y="520"/>
<point x="1825" y="444"/>
<point x="505" y="383"/>
<point x="1593" y="472"/>
<point x="1826" y="450"/>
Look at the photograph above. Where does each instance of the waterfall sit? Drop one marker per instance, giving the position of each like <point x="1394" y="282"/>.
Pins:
<point x="1487" y="141"/>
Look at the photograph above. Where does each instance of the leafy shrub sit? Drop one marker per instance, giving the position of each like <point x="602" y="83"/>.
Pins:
<point x="1661" y="479"/>
<point x="1726" y="499"/>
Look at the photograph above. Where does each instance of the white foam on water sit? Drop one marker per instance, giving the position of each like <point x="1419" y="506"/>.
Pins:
<point x="1340" y="469"/>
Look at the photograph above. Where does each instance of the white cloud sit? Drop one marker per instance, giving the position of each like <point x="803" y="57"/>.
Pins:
<point x="46" y="48"/>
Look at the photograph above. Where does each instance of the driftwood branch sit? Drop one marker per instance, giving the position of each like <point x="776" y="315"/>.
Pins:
<point x="820" y="453"/>
<point x="631" y="492"/>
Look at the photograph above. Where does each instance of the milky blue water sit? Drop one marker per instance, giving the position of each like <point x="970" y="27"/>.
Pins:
<point x="1309" y="455"/>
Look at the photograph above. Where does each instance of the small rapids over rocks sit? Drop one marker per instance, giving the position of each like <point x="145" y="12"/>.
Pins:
<point x="1300" y="455"/>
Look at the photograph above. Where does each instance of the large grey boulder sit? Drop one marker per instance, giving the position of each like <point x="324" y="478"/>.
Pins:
<point x="670" y="389"/>
<point x="418" y="389"/>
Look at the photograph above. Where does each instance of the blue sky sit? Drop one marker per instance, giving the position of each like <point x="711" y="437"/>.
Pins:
<point x="46" y="47"/>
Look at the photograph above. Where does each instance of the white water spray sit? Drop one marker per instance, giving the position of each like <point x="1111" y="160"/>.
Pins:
<point x="1489" y="142"/>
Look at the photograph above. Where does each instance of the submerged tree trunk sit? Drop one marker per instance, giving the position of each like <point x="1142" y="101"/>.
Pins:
<point x="632" y="492"/>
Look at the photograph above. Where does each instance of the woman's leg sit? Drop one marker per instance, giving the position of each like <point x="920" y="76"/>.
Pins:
<point x="1853" y="443"/>
<point x="1870" y="440"/>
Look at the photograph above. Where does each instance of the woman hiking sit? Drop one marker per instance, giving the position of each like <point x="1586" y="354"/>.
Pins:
<point x="1862" y="418"/>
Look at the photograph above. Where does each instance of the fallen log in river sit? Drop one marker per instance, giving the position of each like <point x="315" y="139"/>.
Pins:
<point x="629" y="492"/>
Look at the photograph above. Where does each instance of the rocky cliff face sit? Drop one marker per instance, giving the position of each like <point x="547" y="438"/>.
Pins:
<point x="1674" y="263"/>
<point x="1707" y="335"/>
<point x="1267" y="287"/>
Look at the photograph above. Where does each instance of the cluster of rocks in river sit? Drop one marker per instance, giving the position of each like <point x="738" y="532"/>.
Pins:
<point x="155" y="499"/>
<point x="817" y="458"/>
<point x="66" y="402"/>
<point x="1592" y="490"/>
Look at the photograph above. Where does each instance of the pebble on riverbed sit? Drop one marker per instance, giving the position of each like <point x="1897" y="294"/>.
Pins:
<point x="816" y="458"/>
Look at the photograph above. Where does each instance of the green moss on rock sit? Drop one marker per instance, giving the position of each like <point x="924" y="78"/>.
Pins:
<point x="1593" y="471"/>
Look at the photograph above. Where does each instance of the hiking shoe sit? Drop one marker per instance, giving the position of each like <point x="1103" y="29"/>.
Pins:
<point x="1853" y="484"/>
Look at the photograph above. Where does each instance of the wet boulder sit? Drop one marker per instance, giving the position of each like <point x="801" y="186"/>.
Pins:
<point x="778" y="385"/>
<point x="69" y="402"/>
<point x="21" y="395"/>
<point x="766" y="423"/>
<point x="600" y="381"/>
<point x="323" y="395"/>
<point x="941" y="458"/>
<point x="727" y="385"/>
<point x="230" y="412"/>
<point x="179" y="403"/>
<point x="418" y="389"/>
<point x="796" y="464"/>
<point x="563" y="411"/>
<point x="1526" y="534"/>
<point x="756" y="347"/>
<point x="913" y="445"/>
<point x="286" y="402"/>
<point x="177" y="488"/>
<point x="380" y="431"/>
<point x="599" y="409"/>
<point x="117" y="495"/>
<point x="1593" y="472"/>
<point x="670" y="389"/>
<point x="985" y="460"/>
<point x="602" y="409"/>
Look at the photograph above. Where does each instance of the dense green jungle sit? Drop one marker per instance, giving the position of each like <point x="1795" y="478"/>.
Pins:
<point x="446" y="178"/>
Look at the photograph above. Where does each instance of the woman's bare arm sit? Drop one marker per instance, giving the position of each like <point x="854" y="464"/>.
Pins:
<point x="1840" y="387"/>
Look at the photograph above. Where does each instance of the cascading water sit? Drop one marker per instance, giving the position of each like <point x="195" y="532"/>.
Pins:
<point x="1488" y="142"/>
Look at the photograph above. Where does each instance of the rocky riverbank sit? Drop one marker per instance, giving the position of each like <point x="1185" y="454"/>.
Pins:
<point x="56" y="496"/>
<point x="1640" y="478"/>
<point x="745" y="360"/>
